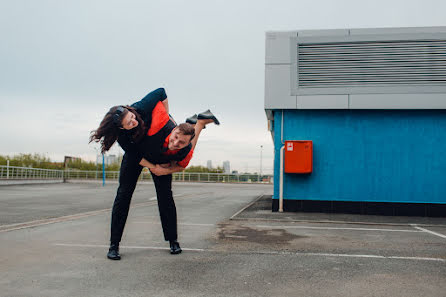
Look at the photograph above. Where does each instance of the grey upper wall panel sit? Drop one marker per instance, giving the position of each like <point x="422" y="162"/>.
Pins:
<point x="322" y="102"/>
<point x="335" y="32"/>
<point x="277" y="49"/>
<point x="412" y="30"/>
<point x="398" y="101"/>
<point x="277" y="88"/>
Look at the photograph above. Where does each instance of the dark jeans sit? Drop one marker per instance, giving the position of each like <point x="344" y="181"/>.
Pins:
<point x="128" y="177"/>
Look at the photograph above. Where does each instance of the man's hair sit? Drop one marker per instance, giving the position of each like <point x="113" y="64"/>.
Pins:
<point x="187" y="129"/>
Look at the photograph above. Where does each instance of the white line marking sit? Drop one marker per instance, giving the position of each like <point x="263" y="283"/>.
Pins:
<point x="245" y="207"/>
<point x="36" y="223"/>
<point x="126" y="247"/>
<point x="184" y="224"/>
<point x="260" y="252"/>
<point x="337" y="228"/>
<point x="153" y="198"/>
<point x="429" y="231"/>
<point x="236" y="236"/>
<point x="333" y="222"/>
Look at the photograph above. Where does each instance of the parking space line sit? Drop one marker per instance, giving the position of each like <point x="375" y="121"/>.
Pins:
<point x="245" y="207"/>
<point x="183" y="224"/>
<point x="125" y="247"/>
<point x="338" y="228"/>
<point x="259" y="252"/>
<point x="429" y="231"/>
<point x="36" y="223"/>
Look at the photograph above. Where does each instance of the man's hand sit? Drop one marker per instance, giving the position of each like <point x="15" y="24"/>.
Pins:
<point x="145" y="163"/>
<point x="159" y="170"/>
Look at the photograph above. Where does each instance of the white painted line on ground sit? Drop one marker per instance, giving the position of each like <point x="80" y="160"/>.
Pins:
<point x="36" y="223"/>
<point x="153" y="198"/>
<point x="373" y="256"/>
<point x="288" y="220"/>
<point x="236" y="236"/>
<point x="126" y="247"/>
<point x="184" y="224"/>
<point x="259" y="252"/>
<point x="245" y="207"/>
<point x="429" y="231"/>
<point x="336" y="228"/>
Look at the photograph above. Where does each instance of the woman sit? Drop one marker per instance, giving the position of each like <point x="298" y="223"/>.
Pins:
<point x="150" y="138"/>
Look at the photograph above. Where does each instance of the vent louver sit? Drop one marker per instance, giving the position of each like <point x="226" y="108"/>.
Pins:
<point x="376" y="63"/>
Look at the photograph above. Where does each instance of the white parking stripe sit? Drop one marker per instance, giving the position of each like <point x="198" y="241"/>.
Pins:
<point x="259" y="252"/>
<point x="429" y="231"/>
<point x="125" y="247"/>
<point x="183" y="224"/>
<point x="337" y="228"/>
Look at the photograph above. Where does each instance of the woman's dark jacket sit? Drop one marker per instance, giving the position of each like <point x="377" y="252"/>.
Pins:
<point x="150" y="147"/>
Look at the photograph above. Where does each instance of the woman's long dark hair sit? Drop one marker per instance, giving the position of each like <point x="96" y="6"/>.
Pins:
<point x="110" y="127"/>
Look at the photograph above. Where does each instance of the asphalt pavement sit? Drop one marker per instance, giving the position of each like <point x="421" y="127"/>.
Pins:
<point x="54" y="239"/>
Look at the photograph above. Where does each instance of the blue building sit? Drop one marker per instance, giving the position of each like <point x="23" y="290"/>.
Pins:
<point x="373" y="103"/>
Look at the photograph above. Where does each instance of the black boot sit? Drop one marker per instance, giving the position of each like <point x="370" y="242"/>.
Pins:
<point x="192" y="120"/>
<point x="175" y="247"/>
<point x="208" y="115"/>
<point x="113" y="252"/>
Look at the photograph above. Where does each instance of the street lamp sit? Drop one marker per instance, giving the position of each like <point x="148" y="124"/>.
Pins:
<point x="261" y="149"/>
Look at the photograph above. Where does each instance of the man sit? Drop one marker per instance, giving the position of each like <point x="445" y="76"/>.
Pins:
<point x="166" y="148"/>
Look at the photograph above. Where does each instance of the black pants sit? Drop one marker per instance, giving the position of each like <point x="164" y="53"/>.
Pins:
<point x="128" y="177"/>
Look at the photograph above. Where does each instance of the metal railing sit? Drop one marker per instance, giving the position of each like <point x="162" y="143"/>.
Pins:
<point x="26" y="173"/>
<point x="179" y="176"/>
<point x="14" y="172"/>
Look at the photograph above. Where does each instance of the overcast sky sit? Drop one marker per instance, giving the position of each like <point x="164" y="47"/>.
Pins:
<point x="63" y="64"/>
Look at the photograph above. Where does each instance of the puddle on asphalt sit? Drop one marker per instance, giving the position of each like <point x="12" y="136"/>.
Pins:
<point x="230" y="232"/>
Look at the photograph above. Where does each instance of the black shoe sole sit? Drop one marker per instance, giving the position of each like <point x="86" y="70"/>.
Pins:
<point x="114" y="258"/>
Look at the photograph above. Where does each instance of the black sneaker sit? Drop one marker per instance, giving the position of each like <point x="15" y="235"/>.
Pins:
<point x="175" y="247"/>
<point x="113" y="252"/>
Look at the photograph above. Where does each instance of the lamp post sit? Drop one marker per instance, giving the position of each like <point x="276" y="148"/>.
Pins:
<point x="103" y="170"/>
<point x="261" y="150"/>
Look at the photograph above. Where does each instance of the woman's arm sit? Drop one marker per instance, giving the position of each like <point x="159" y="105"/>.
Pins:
<point x="148" y="103"/>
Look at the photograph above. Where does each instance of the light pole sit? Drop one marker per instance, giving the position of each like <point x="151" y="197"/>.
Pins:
<point x="261" y="149"/>
<point x="103" y="170"/>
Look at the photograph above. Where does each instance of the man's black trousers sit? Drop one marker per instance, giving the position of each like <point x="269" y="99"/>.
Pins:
<point x="128" y="177"/>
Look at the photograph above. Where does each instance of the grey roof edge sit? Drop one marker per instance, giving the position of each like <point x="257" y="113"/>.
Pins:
<point x="355" y="31"/>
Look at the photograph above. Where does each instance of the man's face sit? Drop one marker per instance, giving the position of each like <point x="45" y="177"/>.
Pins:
<point x="129" y="121"/>
<point x="178" y="140"/>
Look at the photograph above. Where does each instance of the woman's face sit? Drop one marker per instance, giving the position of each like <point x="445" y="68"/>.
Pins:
<point x="129" y="121"/>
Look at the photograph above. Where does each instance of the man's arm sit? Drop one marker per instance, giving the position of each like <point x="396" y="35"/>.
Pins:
<point x="145" y="163"/>
<point x="158" y="170"/>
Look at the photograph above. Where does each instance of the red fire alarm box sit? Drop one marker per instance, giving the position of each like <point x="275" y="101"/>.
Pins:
<point x="299" y="156"/>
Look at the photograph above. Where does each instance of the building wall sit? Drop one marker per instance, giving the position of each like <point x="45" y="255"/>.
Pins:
<point x="366" y="155"/>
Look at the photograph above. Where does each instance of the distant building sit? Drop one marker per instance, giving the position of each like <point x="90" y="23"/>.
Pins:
<point x="227" y="167"/>
<point x="209" y="164"/>
<point x="108" y="159"/>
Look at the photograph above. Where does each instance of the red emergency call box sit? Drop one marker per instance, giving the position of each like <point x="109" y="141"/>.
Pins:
<point x="298" y="156"/>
